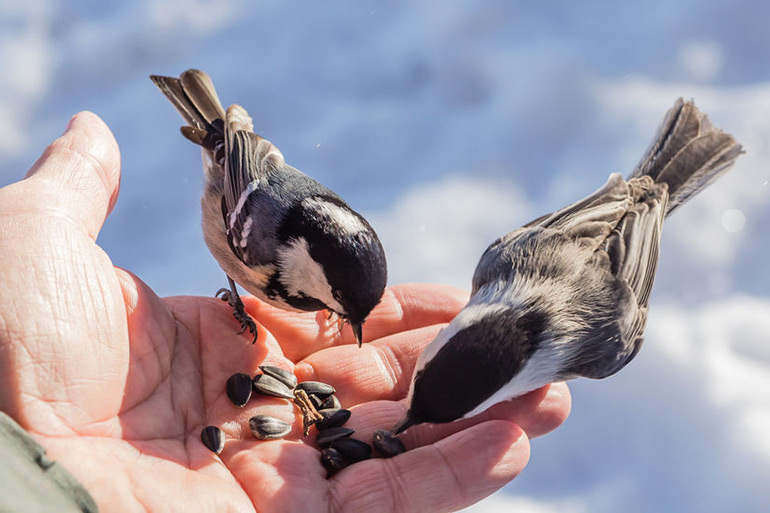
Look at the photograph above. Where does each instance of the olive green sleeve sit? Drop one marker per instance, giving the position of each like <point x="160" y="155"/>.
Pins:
<point x="30" y="482"/>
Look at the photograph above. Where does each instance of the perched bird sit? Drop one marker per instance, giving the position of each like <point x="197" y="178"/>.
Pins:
<point x="566" y="295"/>
<point x="280" y="234"/>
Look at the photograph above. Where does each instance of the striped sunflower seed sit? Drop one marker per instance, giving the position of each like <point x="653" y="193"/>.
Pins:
<point x="268" y="385"/>
<point x="268" y="428"/>
<point x="322" y="390"/>
<point x="284" y="376"/>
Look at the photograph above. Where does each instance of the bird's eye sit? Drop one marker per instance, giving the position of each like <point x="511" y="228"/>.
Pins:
<point x="337" y="295"/>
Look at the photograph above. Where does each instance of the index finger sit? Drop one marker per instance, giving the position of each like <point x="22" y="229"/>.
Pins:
<point x="403" y="307"/>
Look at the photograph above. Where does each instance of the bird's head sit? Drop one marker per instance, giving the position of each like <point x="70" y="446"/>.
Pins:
<point x="478" y="360"/>
<point x="331" y="258"/>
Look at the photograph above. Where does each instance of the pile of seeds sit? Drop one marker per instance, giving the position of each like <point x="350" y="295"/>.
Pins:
<point x="319" y="406"/>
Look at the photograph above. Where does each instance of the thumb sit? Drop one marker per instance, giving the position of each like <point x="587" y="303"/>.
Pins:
<point x="78" y="175"/>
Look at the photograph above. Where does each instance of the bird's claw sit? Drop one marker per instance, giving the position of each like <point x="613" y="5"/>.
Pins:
<point x="224" y="295"/>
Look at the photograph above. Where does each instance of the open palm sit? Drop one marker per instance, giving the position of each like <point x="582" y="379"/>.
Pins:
<point x="117" y="383"/>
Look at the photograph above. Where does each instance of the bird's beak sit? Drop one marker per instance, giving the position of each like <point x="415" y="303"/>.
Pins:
<point x="358" y="331"/>
<point x="402" y="426"/>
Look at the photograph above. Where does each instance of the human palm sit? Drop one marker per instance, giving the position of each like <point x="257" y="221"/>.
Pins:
<point x="117" y="383"/>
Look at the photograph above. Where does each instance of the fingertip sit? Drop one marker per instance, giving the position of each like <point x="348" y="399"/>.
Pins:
<point x="103" y="147"/>
<point x="538" y="412"/>
<point x="555" y="408"/>
<point x="450" y="474"/>
<point x="80" y="171"/>
<point x="499" y="450"/>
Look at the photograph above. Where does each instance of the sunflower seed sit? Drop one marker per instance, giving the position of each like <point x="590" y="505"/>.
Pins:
<point x="327" y="436"/>
<point x="268" y="428"/>
<point x="317" y="402"/>
<point x="239" y="388"/>
<point x="333" y="417"/>
<point x="284" y="376"/>
<point x="352" y="450"/>
<point x="332" y="461"/>
<point x="322" y="390"/>
<point x="268" y="385"/>
<point x="213" y="438"/>
<point x="387" y="444"/>
<point x="331" y="402"/>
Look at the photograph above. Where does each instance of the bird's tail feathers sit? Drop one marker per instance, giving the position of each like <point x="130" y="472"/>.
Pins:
<point x="687" y="154"/>
<point x="195" y="98"/>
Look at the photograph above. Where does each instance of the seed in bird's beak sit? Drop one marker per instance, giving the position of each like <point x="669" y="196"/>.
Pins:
<point x="268" y="385"/>
<point x="387" y="444"/>
<point x="333" y="417"/>
<point x="268" y="428"/>
<point x="352" y="450"/>
<point x="213" y="438"/>
<point x="331" y="402"/>
<point x="284" y="376"/>
<point x="358" y="332"/>
<point x="332" y="461"/>
<point x="322" y="390"/>
<point x="327" y="436"/>
<point x="239" y="389"/>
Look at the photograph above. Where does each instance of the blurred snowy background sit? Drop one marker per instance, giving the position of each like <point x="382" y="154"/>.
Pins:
<point x="448" y="124"/>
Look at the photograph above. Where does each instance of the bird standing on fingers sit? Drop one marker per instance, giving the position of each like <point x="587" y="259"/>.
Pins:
<point x="278" y="233"/>
<point x="566" y="295"/>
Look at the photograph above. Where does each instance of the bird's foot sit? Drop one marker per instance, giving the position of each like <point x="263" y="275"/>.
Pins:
<point x="239" y="311"/>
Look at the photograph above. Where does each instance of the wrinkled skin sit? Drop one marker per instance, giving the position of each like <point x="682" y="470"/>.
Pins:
<point x="117" y="383"/>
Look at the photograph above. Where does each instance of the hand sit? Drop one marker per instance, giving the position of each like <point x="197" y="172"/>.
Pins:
<point x="117" y="383"/>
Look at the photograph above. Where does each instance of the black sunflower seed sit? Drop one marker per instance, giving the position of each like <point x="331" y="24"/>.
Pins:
<point x="213" y="438"/>
<point x="268" y="428"/>
<point x="351" y="449"/>
<point x="322" y="390"/>
<point x="334" y="417"/>
<point x="239" y="388"/>
<point x="284" y="376"/>
<point x="327" y="436"/>
<point x="331" y="402"/>
<point x="387" y="444"/>
<point x="332" y="461"/>
<point x="268" y="385"/>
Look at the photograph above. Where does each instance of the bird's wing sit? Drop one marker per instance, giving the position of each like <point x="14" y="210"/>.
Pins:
<point x="588" y="222"/>
<point x="630" y="254"/>
<point x="249" y="160"/>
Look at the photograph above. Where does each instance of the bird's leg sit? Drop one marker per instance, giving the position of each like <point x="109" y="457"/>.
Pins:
<point x="231" y="297"/>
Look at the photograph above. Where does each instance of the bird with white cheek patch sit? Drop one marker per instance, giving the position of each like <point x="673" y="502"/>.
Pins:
<point x="566" y="295"/>
<point x="280" y="234"/>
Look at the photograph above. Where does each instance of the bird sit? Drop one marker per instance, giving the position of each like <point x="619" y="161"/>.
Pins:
<point x="275" y="231"/>
<point x="567" y="294"/>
